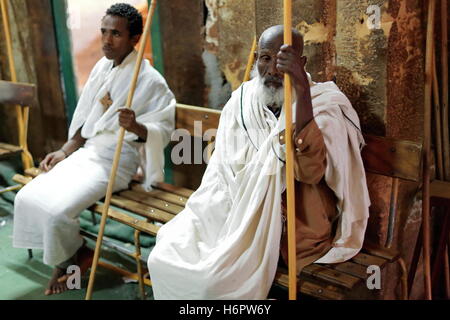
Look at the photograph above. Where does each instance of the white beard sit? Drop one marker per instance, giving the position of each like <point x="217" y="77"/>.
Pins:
<point x="269" y="96"/>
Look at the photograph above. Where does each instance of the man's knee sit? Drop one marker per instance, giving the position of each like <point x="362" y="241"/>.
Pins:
<point x="22" y="198"/>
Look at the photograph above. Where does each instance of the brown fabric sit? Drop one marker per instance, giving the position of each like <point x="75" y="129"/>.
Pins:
<point x="315" y="205"/>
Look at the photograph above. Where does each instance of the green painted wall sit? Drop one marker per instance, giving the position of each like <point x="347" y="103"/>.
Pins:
<point x="64" y="44"/>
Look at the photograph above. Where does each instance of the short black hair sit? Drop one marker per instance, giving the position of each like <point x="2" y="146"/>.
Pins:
<point x="124" y="10"/>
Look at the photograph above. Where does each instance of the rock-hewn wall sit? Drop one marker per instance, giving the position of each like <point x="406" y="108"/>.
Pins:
<point x="37" y="62"/>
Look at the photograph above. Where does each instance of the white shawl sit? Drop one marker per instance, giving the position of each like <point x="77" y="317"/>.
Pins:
<point x="153" y="104"/>
<point x="225" y="243"/>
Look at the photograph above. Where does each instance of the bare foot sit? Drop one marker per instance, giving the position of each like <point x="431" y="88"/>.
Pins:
<point x="54" y="285"/>
<point x="84" y="261"/>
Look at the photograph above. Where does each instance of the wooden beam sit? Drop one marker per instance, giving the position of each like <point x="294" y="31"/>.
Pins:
<point x="184" y="192"/>
<point x="392" y="157"/>
<point x="440" y="189"/>
<point x="137" y="224"/>
<point x="186" y="116"/>
<point x="23" y="94"/>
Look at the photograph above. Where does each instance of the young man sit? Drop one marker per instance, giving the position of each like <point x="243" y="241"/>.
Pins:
<point x="226" y="243"/>
<point x="76" y="176"/>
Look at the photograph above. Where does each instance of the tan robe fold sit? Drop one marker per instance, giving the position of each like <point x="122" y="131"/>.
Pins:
<point x="315" y="206"/>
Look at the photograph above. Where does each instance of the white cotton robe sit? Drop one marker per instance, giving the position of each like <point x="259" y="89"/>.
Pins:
<point x="225" y="243"/>
<point x="46" y="210"/>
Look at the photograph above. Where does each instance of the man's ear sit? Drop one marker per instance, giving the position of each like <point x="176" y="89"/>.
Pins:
<point x="255" y="55"/>
<point x="135" y="39"/>
<point x="304" y="60"/>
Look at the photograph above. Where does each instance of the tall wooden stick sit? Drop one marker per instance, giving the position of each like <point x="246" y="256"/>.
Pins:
<point x="426" y="157"/>
<point x="250" y="61"/>
<point x="115" y="165"/>
<point x="444" y="99"/>
<point x="437" y="121"/>
<point x="292" y="252"/>
<point x="26" y="156"/>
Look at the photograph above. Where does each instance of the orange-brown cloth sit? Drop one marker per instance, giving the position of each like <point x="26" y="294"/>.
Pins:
<point x="315" y="202"/>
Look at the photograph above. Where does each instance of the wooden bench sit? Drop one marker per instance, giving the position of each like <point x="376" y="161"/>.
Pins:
<point x="22" y="95"/>
<point x="384" y="156"/>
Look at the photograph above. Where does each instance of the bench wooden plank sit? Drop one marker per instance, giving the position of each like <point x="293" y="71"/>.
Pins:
<point x="368" y="260"/>
<point x="156" y="203"/>
<point x="162" y="195"/>
<point x="184" y="192"/>
<point x="385" y="253"/>
<point x="33" y="172"/>
<point x="10" y="147"/>
<point x="311" y="289"/>
<point x="7" y="153"/>
<point x="23" y="94"/>
<point x="185" y="117"/>
<point x="141" y="209"/>
<point x="8" y="150"/>
<point x="21" y="179"/>
<point x="332" y="276"/>
<point x="440" y="189"/>
<point x="392" y="157"/>
<point x="350" y="268"/>
<point x="138" y="224"/>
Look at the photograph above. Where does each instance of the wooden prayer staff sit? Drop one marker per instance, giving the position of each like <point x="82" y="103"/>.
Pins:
<point x="444" y="99"/>
<point x="22" y="118"/>
<point x="427" y="151"/>
<point x="292" y="252"/>
<point x="112" y="177"/>
<point x="437" y="123"/>
<point x="250" y="61"/>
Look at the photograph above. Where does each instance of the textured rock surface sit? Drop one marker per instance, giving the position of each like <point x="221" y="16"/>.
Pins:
<point x="182" y="28"/>
<point x="36" y="61"/>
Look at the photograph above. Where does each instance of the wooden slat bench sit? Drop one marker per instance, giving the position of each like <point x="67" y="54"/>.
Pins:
<point x="388" y="157"/>
<point x="8" y="150"/>
<point x="22" y="95"/>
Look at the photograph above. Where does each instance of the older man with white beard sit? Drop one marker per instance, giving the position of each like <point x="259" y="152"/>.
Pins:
<point x="226" y="243"/>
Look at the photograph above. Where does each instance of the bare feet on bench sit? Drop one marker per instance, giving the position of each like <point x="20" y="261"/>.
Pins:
<point x="54" y="286"/>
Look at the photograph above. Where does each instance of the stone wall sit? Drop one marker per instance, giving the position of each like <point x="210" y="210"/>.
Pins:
<point x="37" y="62"/>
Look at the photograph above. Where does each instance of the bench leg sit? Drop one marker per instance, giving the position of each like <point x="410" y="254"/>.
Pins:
<point x="415" y="260"/>
<point x="404" y="279"/>
<point x="137" y="244"/>
<point x="30" y="254"/>
<point x="94" y="219"/>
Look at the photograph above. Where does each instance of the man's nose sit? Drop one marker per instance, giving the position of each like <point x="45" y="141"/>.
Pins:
<point x="272" y="67"/>
<point x="107" y="38"/>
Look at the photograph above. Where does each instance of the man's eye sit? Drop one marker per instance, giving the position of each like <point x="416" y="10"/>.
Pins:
<point x="265" y="58"/>
<point x="116" y="34"/>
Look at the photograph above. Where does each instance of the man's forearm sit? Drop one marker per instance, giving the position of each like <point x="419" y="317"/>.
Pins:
<point x="304" y="113"/>
<point x="73" y="144"/>
<point x="140" y="130"/>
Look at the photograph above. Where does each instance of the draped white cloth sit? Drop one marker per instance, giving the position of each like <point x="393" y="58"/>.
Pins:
<point x="225" y="243"/>
<point x="153" y="103"/>
<point x="46" y="210"/>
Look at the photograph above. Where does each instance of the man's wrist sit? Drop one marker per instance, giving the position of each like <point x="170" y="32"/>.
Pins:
<point x="302" y="92"/>
<point x="140" y="130"/>
<point x="66" y="154"/>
